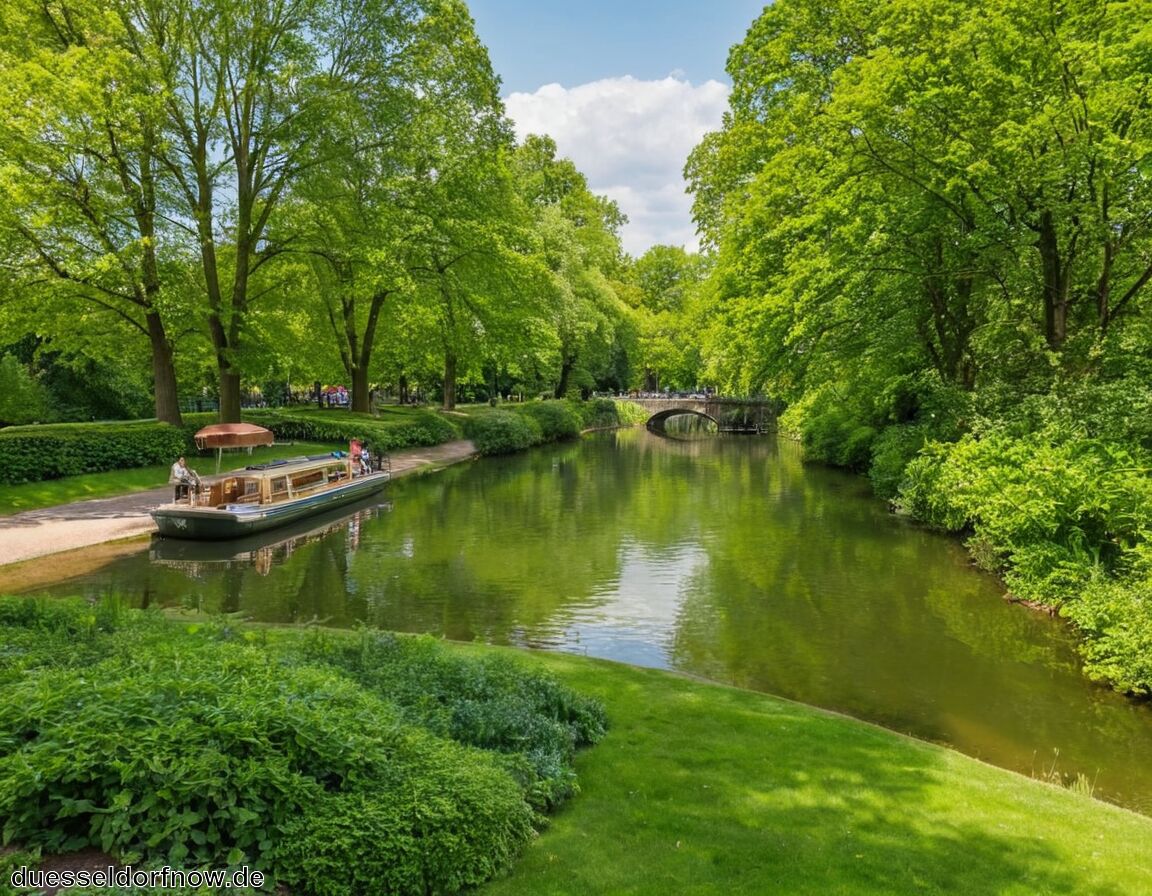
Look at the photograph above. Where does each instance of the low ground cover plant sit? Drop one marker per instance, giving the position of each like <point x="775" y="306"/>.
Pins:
<point x="336" y="764"/>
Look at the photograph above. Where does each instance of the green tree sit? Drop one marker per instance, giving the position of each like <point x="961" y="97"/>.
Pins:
<point x="22" y="398"/>
<point x="373" y="207"/>
<point x="669" y="282"/>
<point x="81" y="223"/>
<point x="579" y="245"/>
<point x="927" y="186"/>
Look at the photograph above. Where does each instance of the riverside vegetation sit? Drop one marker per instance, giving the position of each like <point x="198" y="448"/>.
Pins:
<point x="339" y="763"/>
<point x="930" y="227"/>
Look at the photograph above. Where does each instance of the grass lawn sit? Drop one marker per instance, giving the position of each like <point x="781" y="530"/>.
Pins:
<point x="37" y="495"/>
<point x="703" y="789"/>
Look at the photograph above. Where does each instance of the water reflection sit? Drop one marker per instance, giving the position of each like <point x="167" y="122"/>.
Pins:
<point x="262" y="552"/>
<point x="723" y="557"/>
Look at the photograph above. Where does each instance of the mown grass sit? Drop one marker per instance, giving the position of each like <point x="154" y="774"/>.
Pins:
<point x="703" y="789"/>
<point x="49" y="493"/>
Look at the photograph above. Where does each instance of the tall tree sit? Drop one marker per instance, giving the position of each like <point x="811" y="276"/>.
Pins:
<point x="579" y="247"/>
<point x="929" y="185"/>
<point x="79" y="143"/>
<point x="466" y="229"/>
<point x="380" y="201"/>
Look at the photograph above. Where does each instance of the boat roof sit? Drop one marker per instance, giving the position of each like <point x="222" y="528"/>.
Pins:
<point x="276" y="468"/>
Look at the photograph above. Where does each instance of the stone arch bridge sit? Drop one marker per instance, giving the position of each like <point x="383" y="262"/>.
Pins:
<point x="753" y="415"/>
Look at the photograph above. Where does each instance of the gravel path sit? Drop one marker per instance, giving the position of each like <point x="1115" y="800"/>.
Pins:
<point x="37" y="533"/>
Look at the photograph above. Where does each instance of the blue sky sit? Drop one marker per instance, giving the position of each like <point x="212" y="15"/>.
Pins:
<point x="626" y="89"/>
<point x="536" y="43"/>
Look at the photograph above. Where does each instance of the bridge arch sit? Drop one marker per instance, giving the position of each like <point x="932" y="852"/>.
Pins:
<point x="751" y="415"/>
<point x="656" y="421"/>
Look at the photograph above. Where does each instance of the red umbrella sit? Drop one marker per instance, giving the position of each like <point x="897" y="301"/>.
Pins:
<point x="233" y="435"/>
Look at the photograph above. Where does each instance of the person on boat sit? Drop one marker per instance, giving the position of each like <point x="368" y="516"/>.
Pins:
<point x="183" y="478"/>
<point x="365" y="460"/>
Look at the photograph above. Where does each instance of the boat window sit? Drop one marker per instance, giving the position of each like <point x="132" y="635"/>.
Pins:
<point x="279" y="486"/>
<point x="306" y="479"/>
<point x="251" y="487"/>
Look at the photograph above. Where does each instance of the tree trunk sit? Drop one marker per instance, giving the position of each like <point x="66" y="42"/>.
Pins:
<point x="565" y="374"/>
<point x="449" y="380"/>
<point x="360" y="389"/>
<point x="1055" y="287"/>
<point x="229" y="394"/>
<point x="163" y="373"/>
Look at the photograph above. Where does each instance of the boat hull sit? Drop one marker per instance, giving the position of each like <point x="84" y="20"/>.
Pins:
<point x="238" y="520"/>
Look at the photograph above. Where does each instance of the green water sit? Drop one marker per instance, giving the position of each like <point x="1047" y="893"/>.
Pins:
<point x="723" y="557"/>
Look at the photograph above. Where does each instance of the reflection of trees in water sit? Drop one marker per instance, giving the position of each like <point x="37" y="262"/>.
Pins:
<point x="810" y="594"/>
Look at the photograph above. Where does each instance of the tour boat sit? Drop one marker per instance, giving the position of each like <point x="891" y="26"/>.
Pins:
<point x="266" y="495"/>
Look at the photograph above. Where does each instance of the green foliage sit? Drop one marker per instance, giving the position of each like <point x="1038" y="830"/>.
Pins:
<point x="493" y="704"/>
<point x="451" y="822"/>
<point x="22" y="398"/>
<point x="34" y="453"/>
<point x="600" y="413"/>
<point x="892" y="450"/>
<point x="206" y="745"/>
<point x="503" y="432"/>
<point x="1115" y="618"/>
<point x="623" y="413"/>
<point x="1064" y="518"/>
<point x="557" y="419"/>
<point x="832" y="436"/>
<point x="407" y="430"/>
<point x="518" y="427"/>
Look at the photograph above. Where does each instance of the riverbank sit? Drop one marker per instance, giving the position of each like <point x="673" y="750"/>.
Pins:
<point x="39" y="533"/>
<point x="698" y="788"/>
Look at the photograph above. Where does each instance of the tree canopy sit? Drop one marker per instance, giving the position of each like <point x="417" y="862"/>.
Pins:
<point x="307" y="188"/>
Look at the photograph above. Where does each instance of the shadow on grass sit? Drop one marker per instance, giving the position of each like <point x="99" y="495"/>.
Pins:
<point x="711" y="790"/>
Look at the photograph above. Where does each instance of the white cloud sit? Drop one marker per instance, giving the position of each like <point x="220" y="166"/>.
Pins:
<point x="631" y="139"/>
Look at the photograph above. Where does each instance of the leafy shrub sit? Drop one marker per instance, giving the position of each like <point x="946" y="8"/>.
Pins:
<point x="35" y="453"/>
<point x="450" y="821"/>
<point x="1068" y="519"/>
<point x="892" y="451"/>
<point x="209" y="746"/>
<point x="491" y="703"/>
<point x="23" y="399"/>
<point x="1115" y="619"/>
<point x="556" y="419"/>
<point x="407" y="430"/>
<point x="830" y="434"/>
<point x="503" y="432"/>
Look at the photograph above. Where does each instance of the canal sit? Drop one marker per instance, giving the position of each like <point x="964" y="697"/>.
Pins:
<point x="721" y="557"/>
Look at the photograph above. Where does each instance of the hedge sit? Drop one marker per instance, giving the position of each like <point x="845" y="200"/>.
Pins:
<point x="503" y="432"/>
<point x="35" y="453"/>
<point x="409" y="430"/>
<point x="517" y="427"/>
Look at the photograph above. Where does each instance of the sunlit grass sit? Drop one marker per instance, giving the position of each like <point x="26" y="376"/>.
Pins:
<point x="37" y="495"/>
<point x="702" y="789"/>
